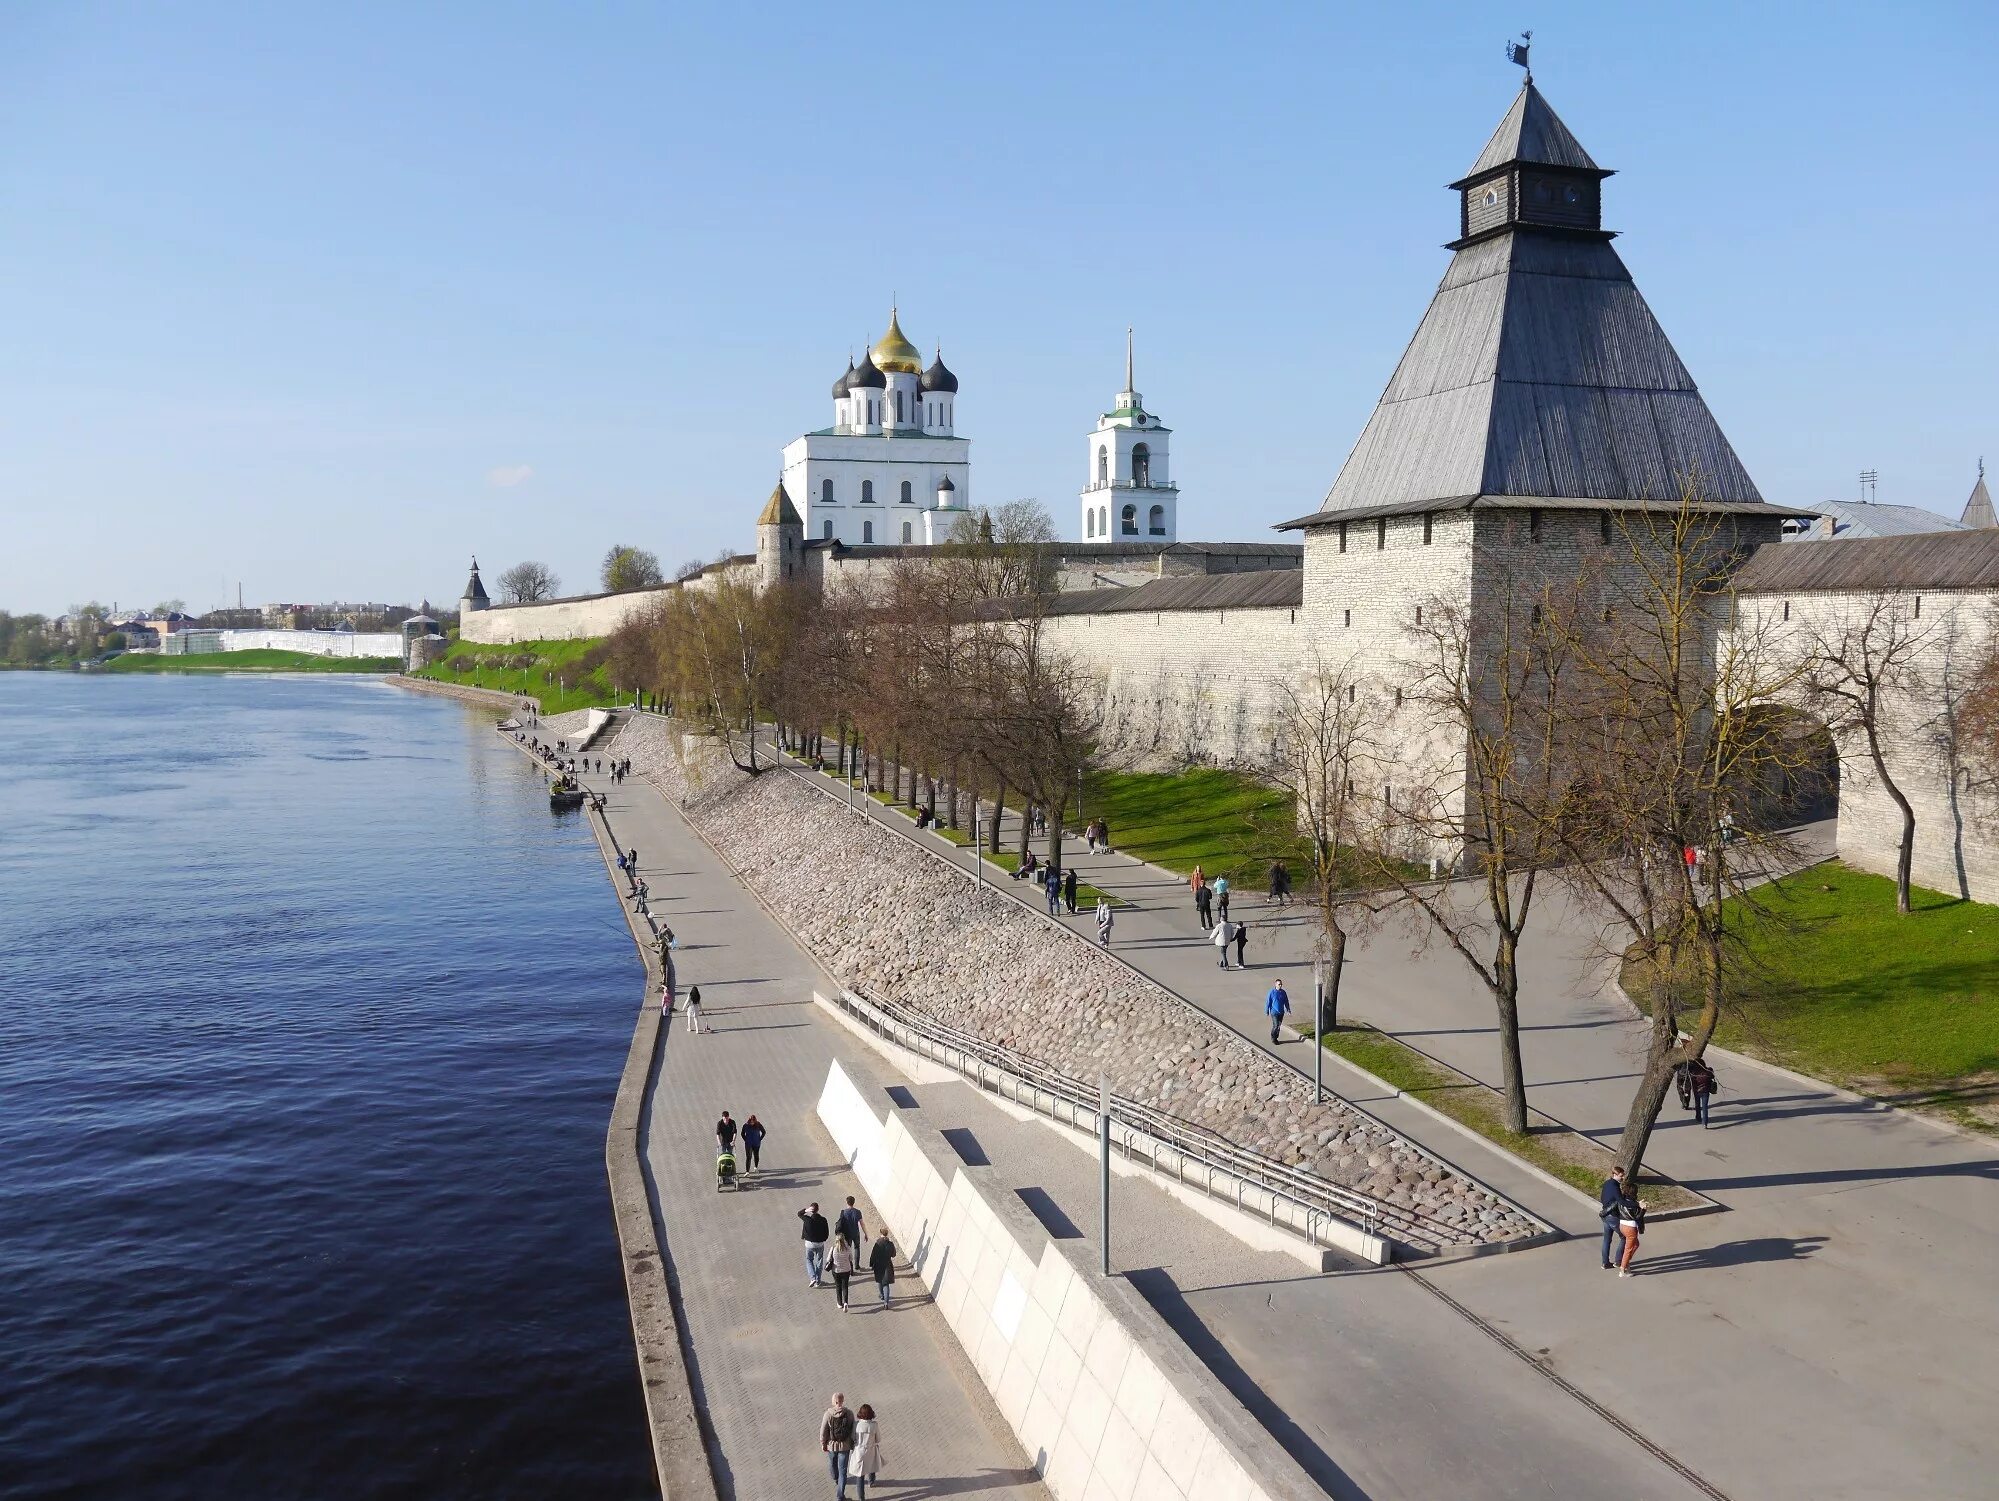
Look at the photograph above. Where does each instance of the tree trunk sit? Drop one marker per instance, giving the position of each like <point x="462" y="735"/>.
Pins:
<point x="999" y="811"/>
<point x="1336" y="963"/>
<point x="1506" y="995"/>
<point x="1057" y="806"/>
<point x="1905" y="852"/>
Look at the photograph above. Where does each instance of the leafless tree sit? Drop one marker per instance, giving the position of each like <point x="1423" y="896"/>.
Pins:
<point x="524" y="583"/>
<point x="1864" y="678"/>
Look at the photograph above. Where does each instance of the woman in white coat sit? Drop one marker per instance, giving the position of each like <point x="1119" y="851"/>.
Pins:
<point x="867" y="1449"/>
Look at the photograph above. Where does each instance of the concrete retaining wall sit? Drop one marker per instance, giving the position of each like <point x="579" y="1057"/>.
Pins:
<point x="1101" y="1395"/>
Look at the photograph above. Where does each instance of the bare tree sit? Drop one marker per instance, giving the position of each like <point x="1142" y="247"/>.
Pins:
<point x="1322" y="751"/>
<point x="524" y="583"/>
<point x="1004" y="553"/>
<point x="1864" y="677"/>
<point x="627" y="567"/>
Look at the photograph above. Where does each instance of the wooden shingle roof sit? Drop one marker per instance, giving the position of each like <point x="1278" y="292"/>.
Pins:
<point x="1928" y="560"/>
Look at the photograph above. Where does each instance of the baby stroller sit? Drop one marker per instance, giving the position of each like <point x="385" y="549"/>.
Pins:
<point x="725" y="1172"/>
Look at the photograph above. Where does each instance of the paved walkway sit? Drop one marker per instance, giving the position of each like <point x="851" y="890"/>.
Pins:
<point x="766" y="1349"/>
<point x="1836" y="1334"/>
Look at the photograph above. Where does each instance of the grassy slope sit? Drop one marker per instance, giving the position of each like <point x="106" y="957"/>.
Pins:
<point x="261" y="660"/>
<point x="1229" y="824"/>
<point x="1844" y="989"/>
<point x="490" y="667"/>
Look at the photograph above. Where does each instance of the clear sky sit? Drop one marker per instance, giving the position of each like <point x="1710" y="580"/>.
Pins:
<point x="324" y="299"/>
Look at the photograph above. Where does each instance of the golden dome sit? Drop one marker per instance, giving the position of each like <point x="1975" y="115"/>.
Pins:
<point x="894" y="352"/>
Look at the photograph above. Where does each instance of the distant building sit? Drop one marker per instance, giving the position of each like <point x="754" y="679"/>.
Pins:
<point x="1128" y="495"/>
<point x="1862" y="518"/>
<point x="1978" y="509"/>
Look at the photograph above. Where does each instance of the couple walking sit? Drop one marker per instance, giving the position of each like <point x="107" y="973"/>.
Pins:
<point x="852" y="1444"/>
<point x="848" y="1232"/>
<point x="1623" y="1215"/>
<point x="1209" y="896"/>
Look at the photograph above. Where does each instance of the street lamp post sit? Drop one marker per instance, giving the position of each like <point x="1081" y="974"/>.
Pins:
<point x="1318" y="1031"/>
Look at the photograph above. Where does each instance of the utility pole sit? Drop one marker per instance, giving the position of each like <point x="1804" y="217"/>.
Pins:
<point x="1318" y="1031"/>
<point x="1104" y="1168"/>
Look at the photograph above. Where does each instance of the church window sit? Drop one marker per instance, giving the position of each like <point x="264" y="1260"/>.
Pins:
<point x="905" y="531"/>
<point x="825" y="492"/>
<point x="1141" y="466"/>
<point x="905" y="492"/>
<point x="827" y="531"/>
<point x="1103" y="521"/>
<point x="867" y="492"/>
<point x="1131" y="521"/>
<point x="1428" y="524"/>
<point x="1380" y="533"/>
<point x="1089" y="523"/>
<point x="1103" y="466"/>
<point x="867" y="531"/>
<point x="898" y="406"/>
<point x="1156" y="521"/>
<point x="1343" y="536"/>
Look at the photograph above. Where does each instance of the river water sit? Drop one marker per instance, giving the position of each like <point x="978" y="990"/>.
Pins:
<point x="311" y="1016"/>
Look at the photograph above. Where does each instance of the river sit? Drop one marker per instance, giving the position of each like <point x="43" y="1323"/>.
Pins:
<point x="311" y="1016"/>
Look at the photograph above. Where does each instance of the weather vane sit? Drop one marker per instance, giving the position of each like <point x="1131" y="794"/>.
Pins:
<point x="1516" y="52"/>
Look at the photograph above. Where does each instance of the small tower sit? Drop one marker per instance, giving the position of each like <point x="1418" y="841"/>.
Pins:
<point x="1128" y="496"/>
<point x="1978" y="509"/>
<point x="474" y="597"/>
<point x="902" y="371"/>
<point x="842" y="401"/>
<point x="864" y="397"/>
<point x="940" y="394"/>
<point x="780" y="541"/>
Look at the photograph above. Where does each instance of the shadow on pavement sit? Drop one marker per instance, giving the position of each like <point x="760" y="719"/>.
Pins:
<point x="1731" y="1253"/>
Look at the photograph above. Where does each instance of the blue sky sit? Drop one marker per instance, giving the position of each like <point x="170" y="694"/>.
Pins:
<point x="325" y="299"/>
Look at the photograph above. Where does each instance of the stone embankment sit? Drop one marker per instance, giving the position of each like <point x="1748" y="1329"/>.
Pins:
<point x="888" y="920"/>
<point x="489" y="696"/>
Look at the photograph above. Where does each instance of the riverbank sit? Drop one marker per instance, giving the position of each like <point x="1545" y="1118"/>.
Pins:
<point x="261" y="659"/>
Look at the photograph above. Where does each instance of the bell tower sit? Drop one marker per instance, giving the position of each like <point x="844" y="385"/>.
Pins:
<point x="1127" y="495"/>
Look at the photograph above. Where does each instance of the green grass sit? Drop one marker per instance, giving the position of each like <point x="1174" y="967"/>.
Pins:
<point x="261" y="660"/>
<point x="1229" y="824"/>
<point x="563" y="675"/>
<point x="1839" y="986"/>
<point x="1005" y="860"/>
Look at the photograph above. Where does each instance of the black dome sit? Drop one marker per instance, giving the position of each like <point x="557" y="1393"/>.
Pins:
<point x="945" y="484"/>
<point x="840" y="385"/>
<point x="937" y="378"/>
<point x="865" y="376"/>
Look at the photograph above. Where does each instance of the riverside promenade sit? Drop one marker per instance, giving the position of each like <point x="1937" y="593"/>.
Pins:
<point x="1834" y="1333"/>
<point x="764" y="1350"/>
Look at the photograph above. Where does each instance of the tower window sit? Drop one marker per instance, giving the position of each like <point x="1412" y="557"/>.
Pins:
<point x="1343" y="536"/>
<point x="1103" y="466"/>
<point x="1141" y="466"/>
<point x="1419" y="614"/>
<point x="1156" y="524"/>
<point x="1130" y="516"/>
<point x="1534" y="525"/>
<point x="1787" y="609"/>
<point x="905" y="492"/>
<point x="1380" y="533"/>
<point x="825" y="492"/>
<point x="1090" y="523"/>
<point x="867" y="531"/>
<point x="1428" y="528"/>
<point x="905" y="531"/>
<point x="1603" y="526"/>
<point x="867" y="492"/>
<point x="1103" y="521"/>
<point x="1346" y="617"/>
<point x="898" y="406"/>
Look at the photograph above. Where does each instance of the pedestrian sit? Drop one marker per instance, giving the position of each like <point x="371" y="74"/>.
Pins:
<point x="1276" y="1006"/>
<point x="753" y="1143"/>
<point x="881" y="1261"/>
<point x="621" y="862"/>
<point x="1104" y="921"/>
<point x="1222" y="895"/>
<point x="836" y="1442"/>
<point x="639" y="894"/>
<point x="841" y="1263"/>
<point x="1280" y="883"/>
<point x="849" y="1227"/>
<point x="814" y="1235"/>
<point x="1203" y="905"/>
<point x="666" y="995"/>
<point x="867" y="1450"/>
<point x="1701" y="1085"/>
<point x="634" y="857"/>
<point x="725" y="1133"/>
<point x="1223" y="936"/>
<point x="1630" y="1224"/>
<point x="1241" y="943"/>
<point x="1608" y="1196"/>
<point x="694" y="1009"/>
<point x="1054" y="888"/>
<point x="1069" y="889"/>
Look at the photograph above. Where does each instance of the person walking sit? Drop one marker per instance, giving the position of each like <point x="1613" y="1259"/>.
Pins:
<point x="1054" y="889"/>
<point x="1280" y="884"/>
<point x="814" y="1234"/>
<point x="639" y="893"/>
<point x="1223" y="936"/>
<point x="694" y="1010"/>
<point x="836" y="1442"/>
<point x="1701" y="1086"/>
<point x="1069" y="890"/>
<point x="1276" y="1006"/>
<point x="1104" y="920"/>
<point x="842" y="1263"/>
<point x="867" y="1459"/>
<point x="848" y="1226"/>
<point x="881" y="1261"/>
<point x="1222" y="896"/>
<point x="753" y="1143"/>
<point x="1204" y="904"/>
<point x="1241" y="943"/>
<point x="725" y="1133"/>
<point x="1630" y="1224"/>
<point x="1608" y="1197"/>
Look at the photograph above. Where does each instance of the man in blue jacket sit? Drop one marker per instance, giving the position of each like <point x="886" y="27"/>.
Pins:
<point x="1276" y="1006"/>
<point x="1608" y="1198"/>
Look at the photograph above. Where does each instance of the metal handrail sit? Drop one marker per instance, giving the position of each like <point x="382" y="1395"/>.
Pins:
<point x="1311" y="1201"/>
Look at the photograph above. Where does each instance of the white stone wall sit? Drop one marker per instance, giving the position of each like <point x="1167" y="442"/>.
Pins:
<point x="316" y="643"/>
<point x="1105" y="1402"/>
<point x="585" y="615"/>
<point x="1953" y="825"/>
